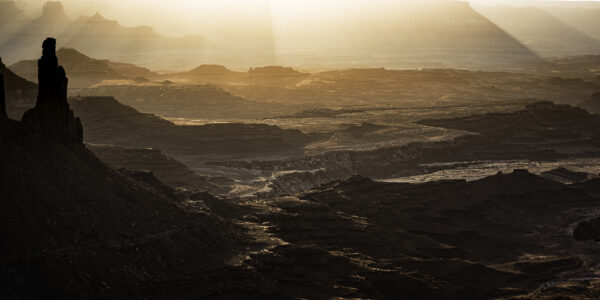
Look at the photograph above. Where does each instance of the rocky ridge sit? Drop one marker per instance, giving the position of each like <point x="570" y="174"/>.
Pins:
<point x="84" y="71"/>
<point x="541" y="131"/>
<point x="73" y="227"/>
<point x="505" y="236"/>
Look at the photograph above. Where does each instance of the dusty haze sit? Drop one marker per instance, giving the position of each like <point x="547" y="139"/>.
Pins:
<point x="351" y="33"/>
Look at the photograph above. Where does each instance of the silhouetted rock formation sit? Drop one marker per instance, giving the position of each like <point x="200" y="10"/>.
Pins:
<point x="69" y="223"/>
<point x="54" y="10"/>
<point x="52" y="118"/>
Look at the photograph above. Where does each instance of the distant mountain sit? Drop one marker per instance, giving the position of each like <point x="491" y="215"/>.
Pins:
<point x="130" y="70"/>
<point x="12" y="20"/>
<point x="211" y="69"/>
<point x="540" y="31"/>
<point x="585" y="18"/>
<point x="83" y="70"/>
<point x="454" y="33"/>
<point x="11" y="13"/>
<point x="25" y="42"/>
<point x="265" y="76"/>
<point x="20" y="93"/>
<point x="97" y="34"/>
<point x="94" y="35"/>
<point x="208" y="74"/>
<point x="275" y="76"/>
<point x="274" y="71"/>
<point x="448" y="34"/>
<point x="197" y="101"/>
<point x="408" y="35"/>
<point x="97" y="26"/>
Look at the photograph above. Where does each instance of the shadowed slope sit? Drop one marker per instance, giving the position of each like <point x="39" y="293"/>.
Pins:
<point x="72" y="227"/>
<point x="20" y="93"/>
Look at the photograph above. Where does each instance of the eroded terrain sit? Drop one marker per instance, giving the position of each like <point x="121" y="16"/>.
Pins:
<point x="275" y="183"/>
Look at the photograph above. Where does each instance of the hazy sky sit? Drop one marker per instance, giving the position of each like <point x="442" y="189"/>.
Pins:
<point x="208" y="17"/>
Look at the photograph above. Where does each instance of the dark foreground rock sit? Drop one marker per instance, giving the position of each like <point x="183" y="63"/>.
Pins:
<point x="165" y="168"/>
<point x="72" y="227"/>
<point x="504" y="236"/>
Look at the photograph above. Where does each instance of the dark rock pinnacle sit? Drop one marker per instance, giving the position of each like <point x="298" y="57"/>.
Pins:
<point x="52" y="118"/>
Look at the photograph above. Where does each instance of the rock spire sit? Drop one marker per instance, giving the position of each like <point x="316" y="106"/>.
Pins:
<point x="52" y="118"/>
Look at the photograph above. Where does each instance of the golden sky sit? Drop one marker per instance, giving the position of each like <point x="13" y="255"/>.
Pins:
<point x="208" y="17"/>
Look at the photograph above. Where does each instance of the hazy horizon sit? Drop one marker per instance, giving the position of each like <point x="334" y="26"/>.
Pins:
<point x="203" y="17"/>
<point x="329" y="34"/>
